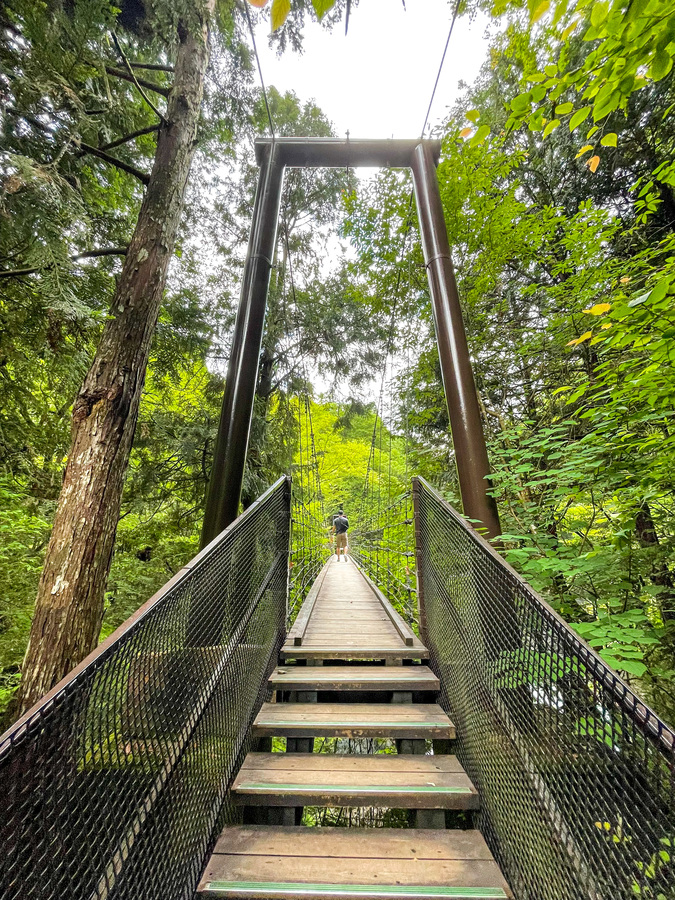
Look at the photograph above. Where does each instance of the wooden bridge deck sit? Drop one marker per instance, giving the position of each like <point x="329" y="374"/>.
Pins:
<point x="344" y="614"/>
<point x="346" y="621"/>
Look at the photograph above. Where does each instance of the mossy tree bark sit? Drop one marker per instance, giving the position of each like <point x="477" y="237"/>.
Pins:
<point x="69" y="605"/>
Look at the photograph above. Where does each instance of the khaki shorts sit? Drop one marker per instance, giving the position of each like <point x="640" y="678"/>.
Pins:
<point x="341" y="541"/>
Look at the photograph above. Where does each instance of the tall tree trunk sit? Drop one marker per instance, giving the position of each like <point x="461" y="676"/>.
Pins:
<point x="645" y="529"/>
<point x="69" y="606"/>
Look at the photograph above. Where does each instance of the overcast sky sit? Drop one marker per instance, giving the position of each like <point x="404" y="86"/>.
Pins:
<point x="377" y="80"/>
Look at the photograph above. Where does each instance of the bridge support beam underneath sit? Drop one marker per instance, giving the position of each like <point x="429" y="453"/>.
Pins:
<point x="460" y="389"/>
<point x="229" y="457"/>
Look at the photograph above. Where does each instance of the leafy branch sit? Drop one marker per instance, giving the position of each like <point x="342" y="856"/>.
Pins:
<point x="87" y="254"/>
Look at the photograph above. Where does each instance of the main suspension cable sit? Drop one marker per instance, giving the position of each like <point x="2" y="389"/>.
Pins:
<point x="262" y="80"/>
<point x="440" y="68"/>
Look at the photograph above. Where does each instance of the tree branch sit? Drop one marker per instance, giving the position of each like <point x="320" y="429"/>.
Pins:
<point x="96" y="151"/>
<point x="88" y="254"/>
<point x="140" y="83"/>
<point x="129" y="137"/>
<point x="114" y="161"/>
<point x="106" y="251"/>
<point x="123" y="140"/>
<point x="154" y="67"/>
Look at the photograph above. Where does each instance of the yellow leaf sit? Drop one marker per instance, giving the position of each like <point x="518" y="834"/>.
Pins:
<point x="583" y="150"/>
<point x="465" y="132"/>
<point x="593" y="163"/>
<point x="605" y="326"/>
<point x="580" y="340"/>
<point x="540" y="10"/>
<point x="599" y="309"/>
<point x="568" y="31"/>
<point x="280" y="11"/>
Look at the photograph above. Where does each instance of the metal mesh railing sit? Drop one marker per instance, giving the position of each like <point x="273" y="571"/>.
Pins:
<point x="384" y="547"/>
<point x="116" y="784"/>
<point x="576" y="774"/>
<point x="310" y="548"/>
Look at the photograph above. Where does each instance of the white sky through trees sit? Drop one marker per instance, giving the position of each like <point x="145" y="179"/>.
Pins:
<point x="377" y="80"/>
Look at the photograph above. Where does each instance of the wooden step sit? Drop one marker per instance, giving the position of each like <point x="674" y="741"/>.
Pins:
<point x="353" y="720"/>
<point x="381" y="779"/>
<point x="346" y="648"/>
<point x="354" y="678"/>
<point x="297" y="863"/>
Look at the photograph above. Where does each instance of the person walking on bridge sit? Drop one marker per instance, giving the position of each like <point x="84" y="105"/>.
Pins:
<point x="340" y="529"/>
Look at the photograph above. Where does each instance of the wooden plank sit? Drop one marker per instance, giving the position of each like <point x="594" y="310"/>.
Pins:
<point x="353" y="720"/>
<point x="351" y="606"/>
<point x="242" y="890"/>
<point x="323" y="712"/>
<point x="354" y="612"/>
<point x="364" y="779"/>
<point x="367" y="631"/>
<point x="341" y="652"/>
<point x="345" y="638"/>
<point x="260" y="793"/>
<point x="355" y="843"/>
<point x="339" y="627"/>
<point x="297" y="632"/>
<point x="280" y="779"/>
<point x="358" y="596"/>
<point x="292" y="862"/>
<point x="354" y="678"/>
<point x="356" y="762"/>
<point x="404" y="630"/>
<point x="341" y="618"/>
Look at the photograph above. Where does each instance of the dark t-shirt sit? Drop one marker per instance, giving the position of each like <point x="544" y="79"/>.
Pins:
<point x="341" y="524"/>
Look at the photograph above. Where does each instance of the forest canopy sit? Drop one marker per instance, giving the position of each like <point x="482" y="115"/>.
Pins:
<point x="557" y="176"/>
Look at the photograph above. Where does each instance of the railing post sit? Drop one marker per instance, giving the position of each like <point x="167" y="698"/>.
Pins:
<point x="229" y="456"/>
<point x="460" y="389"/>
<point x="418" y="559"/>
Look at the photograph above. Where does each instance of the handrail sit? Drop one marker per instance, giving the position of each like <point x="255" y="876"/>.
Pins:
<point x="624" y="695"/>
<point x="115" y="783"/>
<point x="383" y="546"/>
<point x="576" y="773"/>
<point x="129" y="626"/>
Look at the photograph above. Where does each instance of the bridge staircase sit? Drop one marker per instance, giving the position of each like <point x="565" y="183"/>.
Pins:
<point x="352" y="670"/>
<point x="516" y="761"/>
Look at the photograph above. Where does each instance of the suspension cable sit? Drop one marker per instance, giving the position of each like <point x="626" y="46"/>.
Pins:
<point x="440" y="68"/>
<point x="313" y="465"/>
<point x="262" y="80"/>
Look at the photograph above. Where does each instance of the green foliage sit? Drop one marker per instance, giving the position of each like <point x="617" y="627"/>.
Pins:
<point x="59" y="206"/>
<point x="630" y="45"/>
<point x="280" y="9"/>
<point x="566" y="277"/>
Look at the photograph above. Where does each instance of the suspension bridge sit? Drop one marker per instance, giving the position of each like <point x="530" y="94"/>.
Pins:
<point x="421" y="692"/>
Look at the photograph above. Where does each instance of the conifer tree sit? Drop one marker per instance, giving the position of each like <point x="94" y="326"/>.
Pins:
<point x="69" y="605"/>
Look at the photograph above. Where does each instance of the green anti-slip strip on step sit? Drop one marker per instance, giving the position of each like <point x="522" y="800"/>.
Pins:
<point x="296" y="723"/>
<point x="355" y="890"/>
<point x="353" y="789"/>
